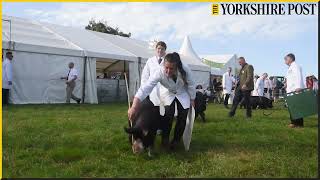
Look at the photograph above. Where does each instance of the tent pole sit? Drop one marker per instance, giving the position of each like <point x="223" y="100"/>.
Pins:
<point x="139" y="70"/>
<point x="84" y="78"/>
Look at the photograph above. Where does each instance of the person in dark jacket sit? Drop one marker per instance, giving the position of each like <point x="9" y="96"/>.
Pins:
<point x="244" y="87"/>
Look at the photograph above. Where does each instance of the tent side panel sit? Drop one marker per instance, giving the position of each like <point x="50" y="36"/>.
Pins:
<point x="90" y="85"/>
<point x="36" y="78"/>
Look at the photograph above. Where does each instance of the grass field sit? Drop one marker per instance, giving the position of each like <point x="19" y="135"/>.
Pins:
<point x="89" y="141"/>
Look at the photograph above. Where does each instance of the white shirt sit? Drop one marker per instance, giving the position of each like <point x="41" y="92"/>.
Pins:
<point x="171" y="89"/>
<point x="315" y="85"/>
<point x="152" y="65"/>
<point x="259" y="87"/>
<point x="267" y="83"/>
<point x="6" y="74"/>
<point x="227" y="83"/>
<point x="73" y="74"/>
<point x="294" y="77"/>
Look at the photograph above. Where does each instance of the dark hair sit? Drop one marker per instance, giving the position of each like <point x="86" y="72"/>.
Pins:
<point x="175" y="58"/>
<point x="291" y="56"/>
<point x="199" y="86"/>
<point x="242" y="58"/>
<point x="161" y="43"/>
<point x="9" y="53"/>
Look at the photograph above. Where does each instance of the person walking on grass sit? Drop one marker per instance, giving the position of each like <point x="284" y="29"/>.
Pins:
<point x="244" y="88"/>
<point x="71" y="83"/>
<point x="6" y="78"/>
<point x="227" y="84"/>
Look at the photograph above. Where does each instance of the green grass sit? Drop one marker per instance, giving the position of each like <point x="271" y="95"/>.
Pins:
<point x="89" y="141"/>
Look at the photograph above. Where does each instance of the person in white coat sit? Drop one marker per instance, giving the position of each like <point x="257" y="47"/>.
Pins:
<point x="6" y="77"/>
<point x="153" y="64"/>
<point x="179" y="88"/>
<point x="227" y="84"/>
<point x="259" y="85"/>
<point x="267" y="87"/>
<point x="294" y="83"/>
<point x="315" y="83"/>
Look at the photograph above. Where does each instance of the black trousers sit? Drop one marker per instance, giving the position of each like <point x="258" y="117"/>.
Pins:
<point x="5" y="96"/>
<point x="168" y="119"/>
<point x="297" y="122"/>
<point x="226" y="99"/>
<point x="239" y="94"/>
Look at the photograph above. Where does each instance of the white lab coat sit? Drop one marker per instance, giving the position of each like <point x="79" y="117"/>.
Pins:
<point x="294" y="78"/>
<point x="259" y="87"/>
<point x="152" y="65"/>
<point x="315" y="85"/>
<point x="227" y="83"/>
<point x="6" y="74"/>
<point x="171" y="90"/>
<point x="267" y="84"/>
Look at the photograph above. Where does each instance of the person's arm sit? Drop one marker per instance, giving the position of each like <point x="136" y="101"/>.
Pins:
<point x="224" y="81"/>
<point x="191" y="85"/>
<point x="142" y="93"/>
<point x="145" y="73"/>
<point x="297" y="81"/>
<point x="9" y="73"/>
<point x="249" y="76"/>
<point x="257" y="84"/>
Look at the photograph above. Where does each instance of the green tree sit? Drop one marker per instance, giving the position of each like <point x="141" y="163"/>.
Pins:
<point x="102" y="26"/>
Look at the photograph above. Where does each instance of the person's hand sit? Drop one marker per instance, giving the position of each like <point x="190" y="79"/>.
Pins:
<point x="244" y="86"/>
<point x="132" y="112"/>
<point x="192" y="103"/>
<point x="10" y="82"/>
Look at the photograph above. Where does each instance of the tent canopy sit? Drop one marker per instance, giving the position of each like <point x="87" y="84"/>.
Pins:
<point x="220" y="63"/>
<point x="26" y="35"/>
<point x="201" y="72"/>
<point x="189" y="56"/>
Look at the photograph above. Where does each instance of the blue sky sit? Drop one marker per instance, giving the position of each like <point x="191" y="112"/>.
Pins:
<point x="263" y="41"/>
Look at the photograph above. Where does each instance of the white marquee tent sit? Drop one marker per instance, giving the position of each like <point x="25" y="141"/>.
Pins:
<point x="42" y="52"/>
<point x="201" y="71"/>
<point x="220" y="63"/>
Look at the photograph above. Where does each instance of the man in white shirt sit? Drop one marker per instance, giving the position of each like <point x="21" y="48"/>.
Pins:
<point x="153" y="64"/>
<point x="294" y="83"/>
<point x="6" y="78"/>
<point x="227" y="84"/>
<point x="71" y="83"/>
<point x="260" y="85"/>
<point x="179" y="88"/>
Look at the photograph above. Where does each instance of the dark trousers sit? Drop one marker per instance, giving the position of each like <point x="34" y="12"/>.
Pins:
<point x="226" y="99"/>
<point x="297" y="122"/>
<point x="245" y="94"/>
<point x="5" y="96"/>
<point x="168" y="119"/>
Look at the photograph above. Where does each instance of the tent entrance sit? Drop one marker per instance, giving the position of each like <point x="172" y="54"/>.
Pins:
<point x="110" y="81"/>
